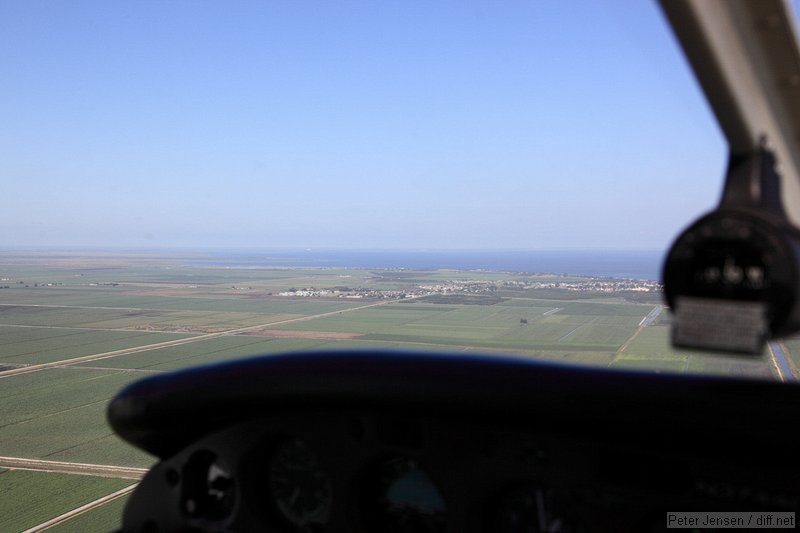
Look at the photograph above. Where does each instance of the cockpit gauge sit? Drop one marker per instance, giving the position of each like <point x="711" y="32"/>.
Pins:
<point x="400" y="497"/>
<point x="299" y="487"/>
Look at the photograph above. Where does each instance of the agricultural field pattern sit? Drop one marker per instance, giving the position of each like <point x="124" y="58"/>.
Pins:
<point x="76" y="328"/>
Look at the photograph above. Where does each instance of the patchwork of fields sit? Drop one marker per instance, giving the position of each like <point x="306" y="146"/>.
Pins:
<point x="74" y="330"/>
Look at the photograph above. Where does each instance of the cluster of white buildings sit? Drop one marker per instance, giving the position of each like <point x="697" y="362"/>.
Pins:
<point x="356" y="293"/>
<point x="462" y="286"/>
<point x="589" y="285"/>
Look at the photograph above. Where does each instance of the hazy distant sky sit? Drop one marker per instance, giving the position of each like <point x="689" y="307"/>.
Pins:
<point x="385" y="124"/>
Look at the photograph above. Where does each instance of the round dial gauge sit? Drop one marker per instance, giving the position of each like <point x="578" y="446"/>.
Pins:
<point x="402" y="498"/>
<point x="299" y="488"/>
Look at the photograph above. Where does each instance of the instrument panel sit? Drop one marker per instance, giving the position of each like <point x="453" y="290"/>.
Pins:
<point x="613" y="454"/>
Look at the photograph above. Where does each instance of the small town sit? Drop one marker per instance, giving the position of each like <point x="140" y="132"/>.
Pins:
<point x="589" y="284"/>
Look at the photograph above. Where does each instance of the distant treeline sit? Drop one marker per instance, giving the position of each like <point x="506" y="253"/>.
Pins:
<point x="467" y="299"/>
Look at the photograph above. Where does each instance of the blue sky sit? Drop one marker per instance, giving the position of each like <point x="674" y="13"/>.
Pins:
<point x="525" y="125"/>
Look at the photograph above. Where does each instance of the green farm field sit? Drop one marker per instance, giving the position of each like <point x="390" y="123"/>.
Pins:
<point x="75" y="329"/>
<point x="31" y="498"/>
<point x="42" y="344"/>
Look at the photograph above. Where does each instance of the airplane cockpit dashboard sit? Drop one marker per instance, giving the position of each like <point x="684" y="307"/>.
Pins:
<point x="409" y="442"/>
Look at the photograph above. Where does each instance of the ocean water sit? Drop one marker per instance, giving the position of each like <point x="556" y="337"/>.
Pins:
<point x="602" y="263"/>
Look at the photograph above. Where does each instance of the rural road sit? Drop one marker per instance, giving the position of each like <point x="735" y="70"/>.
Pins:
<point x="21" y="463"/>
<point x="643" y="324"/>
<point x="780" y="362"/>
<point x="651" y="316"/>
